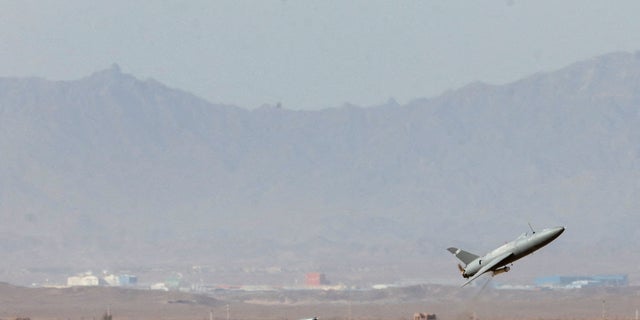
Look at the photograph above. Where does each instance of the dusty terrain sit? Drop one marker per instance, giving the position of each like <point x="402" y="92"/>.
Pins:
<point x="397" y="303"/>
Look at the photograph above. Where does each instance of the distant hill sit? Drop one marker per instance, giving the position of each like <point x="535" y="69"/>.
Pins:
<point x="110" y="169"/>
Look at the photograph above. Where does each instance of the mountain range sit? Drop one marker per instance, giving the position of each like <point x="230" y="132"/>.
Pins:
<point x="110" y="170"/>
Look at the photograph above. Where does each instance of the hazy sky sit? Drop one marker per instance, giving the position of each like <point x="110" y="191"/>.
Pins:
<point x="311" y="54"/>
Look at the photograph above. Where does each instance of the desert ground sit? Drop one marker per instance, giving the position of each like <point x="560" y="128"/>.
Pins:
<point x="395" y="303"/>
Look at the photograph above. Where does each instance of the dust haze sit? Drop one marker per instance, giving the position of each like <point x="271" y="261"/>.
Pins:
<point x="285" y="160"/>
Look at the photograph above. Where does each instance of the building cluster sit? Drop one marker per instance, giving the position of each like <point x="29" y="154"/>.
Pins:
<point x="114" y="280"/>
<point x="576" y="282"/>
<point x="315" y="279"/>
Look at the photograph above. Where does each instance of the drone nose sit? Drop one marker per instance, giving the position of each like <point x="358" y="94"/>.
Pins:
<point x="556" y="232"/>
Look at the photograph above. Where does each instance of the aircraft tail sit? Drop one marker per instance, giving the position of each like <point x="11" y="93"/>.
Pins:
<point x="464" y="256"/>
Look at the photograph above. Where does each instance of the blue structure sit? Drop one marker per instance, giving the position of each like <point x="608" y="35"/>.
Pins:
<point x="582" y="281"/>
<point x="127" y="280"/>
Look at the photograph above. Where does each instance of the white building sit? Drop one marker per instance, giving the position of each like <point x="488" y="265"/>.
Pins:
<point x="120" y="280"/>
<point x="85" y="280"/>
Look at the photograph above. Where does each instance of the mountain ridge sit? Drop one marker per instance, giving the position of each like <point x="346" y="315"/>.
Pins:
<point x="111" y="168"/>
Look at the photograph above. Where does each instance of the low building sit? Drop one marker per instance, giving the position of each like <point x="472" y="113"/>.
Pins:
<point x="159" y="286"/>
<point x="117" y="280"/>
<point x="86" y="280"/>
<point x="582" y="281"/>
<point x="315" y="279"/>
